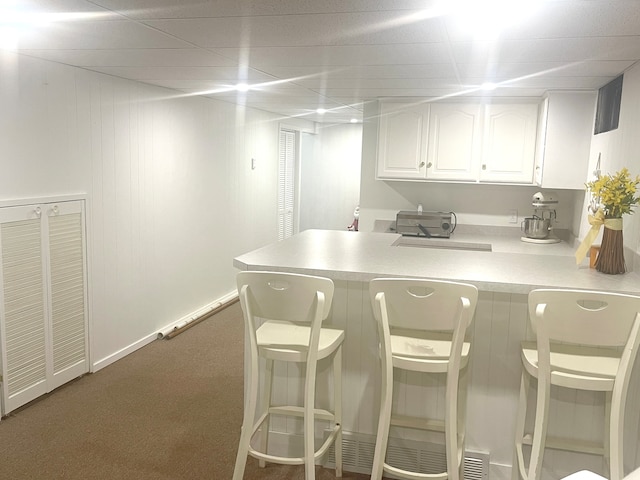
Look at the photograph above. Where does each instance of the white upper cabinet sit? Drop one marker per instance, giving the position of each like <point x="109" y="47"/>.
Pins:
<point x="464" y="141"/>
<point x="454" y="141"/>
<point x="509" y="145"/>
<point x="566" y="127"/>
<point x="402" y="141"/>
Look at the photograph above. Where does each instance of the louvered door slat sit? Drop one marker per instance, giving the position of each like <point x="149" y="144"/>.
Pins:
<point x="23" y="311"/>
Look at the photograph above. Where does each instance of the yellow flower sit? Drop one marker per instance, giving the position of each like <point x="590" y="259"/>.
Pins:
<point x="616" y="194"/>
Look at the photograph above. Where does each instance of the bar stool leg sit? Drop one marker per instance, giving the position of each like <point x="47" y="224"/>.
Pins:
<point x="266" y="403"/>
<point x="309" y="422"/>
<point x="539" y="431"/>
<point x="615" y="434"/>
<point x="518" y="469"/>
<point x="337" y="401"/>
<point x="247" y="422"/>
<point x="607" y="429"/>
<point x="384" y="421"/>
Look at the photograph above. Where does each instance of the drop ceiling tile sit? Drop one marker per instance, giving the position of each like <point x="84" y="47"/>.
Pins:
<point x="339" y="55"/>
<point x="93" y="35"/>
<point x="548" y="50"/>
<point x="552" y="83"/>
<point x="321" y="84"/>
<point x="304" y="30"/>
<point x="188" y="73"/>
<point x="58" y="6"/>
<point x="137" y="57"/>
<point x="564" y="19"/>
<point x="430" y="70"/>
<point x="551" y="69"/>
<point x="233" y="8"/>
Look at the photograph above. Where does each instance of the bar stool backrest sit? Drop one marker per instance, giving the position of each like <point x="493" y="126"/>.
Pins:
<point x="285" y="296"/>
<point x="584" y="317"/>
<point x="424" y="304"/>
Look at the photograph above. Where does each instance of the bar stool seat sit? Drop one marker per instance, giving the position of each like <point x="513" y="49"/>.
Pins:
<point x="283" y="314"/>
<point x="585" y="340"/>
<point x="421" y="328"/>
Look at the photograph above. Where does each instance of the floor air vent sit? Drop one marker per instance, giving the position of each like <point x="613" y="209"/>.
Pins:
<point x="358" y="450"/>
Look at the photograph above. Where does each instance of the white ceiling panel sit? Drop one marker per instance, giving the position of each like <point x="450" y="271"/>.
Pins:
<point x="111" y="34"/>
<point x="431" y="70"/>
<point x="549" y="49"/>
<point x="259" y="57"/>
<point x="303" y="54"/>
<point x="491" y="71"/>
<point x="371" y="28"/>
<point x="188" y="73"/>
<point x="134" y="57"/>
<point x="143" y="9"/>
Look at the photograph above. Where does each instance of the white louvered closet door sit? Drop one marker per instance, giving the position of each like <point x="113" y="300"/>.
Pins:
<point x="43" y="320"/>
<point x="286" y="184"/>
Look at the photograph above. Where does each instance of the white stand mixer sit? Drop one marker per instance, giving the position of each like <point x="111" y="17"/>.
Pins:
<point x="539" y="227"/>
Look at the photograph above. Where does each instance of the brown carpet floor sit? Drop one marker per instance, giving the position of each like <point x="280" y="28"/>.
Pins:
<point x="171" y="410"/>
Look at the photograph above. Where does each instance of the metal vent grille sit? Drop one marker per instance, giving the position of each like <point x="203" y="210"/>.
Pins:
<point x="423" y="457"/>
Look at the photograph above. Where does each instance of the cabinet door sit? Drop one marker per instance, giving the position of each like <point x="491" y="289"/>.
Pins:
<point x="509" y="143"/>
<point x="454" y="142"/>
<point x="23" y="306"/>
<point x="67" y="291"/>
<point x="43" y="320"/>
<point x="568" y="130"/>
<point x="402" y="139"/>
<point x="540" y="142"/>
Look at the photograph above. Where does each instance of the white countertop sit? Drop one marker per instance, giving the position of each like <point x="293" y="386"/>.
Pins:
<point x="512" y="266"/>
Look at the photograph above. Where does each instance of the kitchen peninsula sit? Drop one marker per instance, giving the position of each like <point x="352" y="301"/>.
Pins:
<point x="504" y="277"/>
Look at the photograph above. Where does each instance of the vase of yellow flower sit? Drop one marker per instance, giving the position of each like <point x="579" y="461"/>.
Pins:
<point x="614" y="196"/>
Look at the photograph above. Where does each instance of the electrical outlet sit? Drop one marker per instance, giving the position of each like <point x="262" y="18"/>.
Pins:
<point x="513" y="216"/>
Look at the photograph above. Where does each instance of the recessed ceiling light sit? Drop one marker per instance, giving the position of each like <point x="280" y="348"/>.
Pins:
<point x="242" y="87"/>
<point x="321" y="111"/>
<point x="354" y="120"/>
<point x="488" y="86"/>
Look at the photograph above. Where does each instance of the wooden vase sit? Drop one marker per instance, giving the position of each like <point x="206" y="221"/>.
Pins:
<point x="611" y="257"/>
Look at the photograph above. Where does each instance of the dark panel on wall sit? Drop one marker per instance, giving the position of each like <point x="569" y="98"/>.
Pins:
<point x="608" y="109"/>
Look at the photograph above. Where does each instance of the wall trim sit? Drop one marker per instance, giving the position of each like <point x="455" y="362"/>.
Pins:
<point x="19" y="202"/>
<point x="109" y="359"/>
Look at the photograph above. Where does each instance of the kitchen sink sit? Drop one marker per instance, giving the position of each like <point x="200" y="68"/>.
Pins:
<point x="421" y="242"/>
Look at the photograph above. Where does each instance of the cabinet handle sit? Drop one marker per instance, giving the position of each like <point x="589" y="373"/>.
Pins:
<point x="53" y="211"/>
<point x="484" y="166"/>
<point x="429" y="165"/>
<point x="37" y="211"/>
<point x="421" y="164"/>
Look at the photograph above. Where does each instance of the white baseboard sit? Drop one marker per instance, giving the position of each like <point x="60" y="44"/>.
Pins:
<point x="114" y="357"/>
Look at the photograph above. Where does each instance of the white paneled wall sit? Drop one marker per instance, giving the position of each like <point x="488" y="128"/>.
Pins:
<point x="171" y="194"/>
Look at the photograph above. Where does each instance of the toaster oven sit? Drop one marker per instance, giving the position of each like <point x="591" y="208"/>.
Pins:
<point x="425" y="224"/>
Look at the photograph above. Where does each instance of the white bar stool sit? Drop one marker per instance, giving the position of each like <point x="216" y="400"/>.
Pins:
<point x="586" y="340"/>
<point x="292" y="308"/>
<point x="421" y="328"/>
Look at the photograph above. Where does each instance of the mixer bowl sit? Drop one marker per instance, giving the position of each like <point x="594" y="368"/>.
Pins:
<point x="534" y="227"/>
